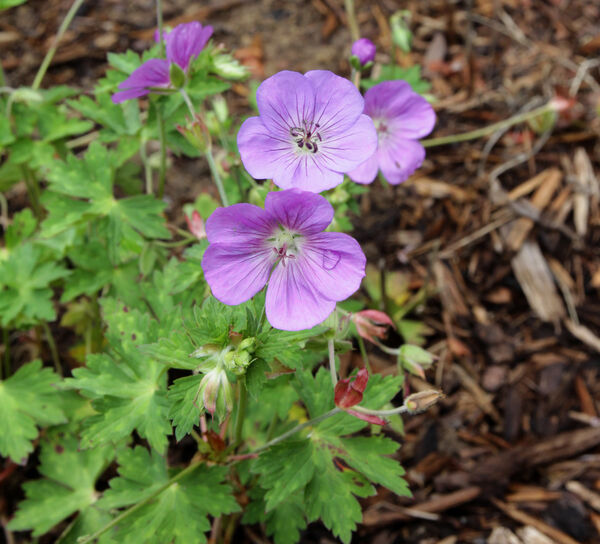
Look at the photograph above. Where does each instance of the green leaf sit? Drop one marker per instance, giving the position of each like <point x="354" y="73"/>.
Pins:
<point x="330" y="495"/>
<point x="27" y="399"/>
<point x="22" y="227"/>
<point x="412" y="75"/>
<point x="283" y="522"/>
<point x="283" y="469"/>
<point x="68" y="486"/>
<point x="184" y="408"/>
<point x="129" y="391"/>
<point x="176" y="513"/>
<point x="367" y="456"/>
<point x="6" y="4"/>
<point x="26" y="278"/>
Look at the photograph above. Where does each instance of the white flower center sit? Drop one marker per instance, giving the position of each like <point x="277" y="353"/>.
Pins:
<point x="285" y="243"/>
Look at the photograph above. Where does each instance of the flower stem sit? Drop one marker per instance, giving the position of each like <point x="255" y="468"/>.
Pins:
<point x="185" y="472"/>
<point x="53" y="350"/>
<point x="208" y="154"/>
<point x="147" y="169"/>
<point x="50" y="54"/>
<point x="490" y="129"/>
<point x="400" y="410"/>
<point x="216" y="176"/>
<point x="159" y="25"/>
<point x="352" y="22"/>
<point x="332" y="370"/>
<point x="162" y="140"/>
<point x="363" y="353"/>
<point x="241" y="413"/>
<point x="296" y="429"/>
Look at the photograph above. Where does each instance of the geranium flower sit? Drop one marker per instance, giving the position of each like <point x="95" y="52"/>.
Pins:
<point x="307" y="270"/>
<point x="401" y="117"/>
<point x="310" y="131"/>
<point x="183" y="44"/>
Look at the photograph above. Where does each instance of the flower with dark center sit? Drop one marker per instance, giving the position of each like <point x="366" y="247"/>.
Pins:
<point x="310" y="131"/>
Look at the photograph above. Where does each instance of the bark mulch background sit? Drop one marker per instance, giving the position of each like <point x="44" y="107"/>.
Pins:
<point x="503" y="233"/>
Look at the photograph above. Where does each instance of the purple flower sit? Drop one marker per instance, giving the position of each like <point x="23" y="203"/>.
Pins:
<point x="401" y="117"/>
<point x="307" y="270"/>
<point x="310" y="131"/>
<point x="363" y="50"/>
<point x="183" y="44"/>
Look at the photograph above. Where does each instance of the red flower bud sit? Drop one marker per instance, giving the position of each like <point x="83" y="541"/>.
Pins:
<point x="349" y="392"/>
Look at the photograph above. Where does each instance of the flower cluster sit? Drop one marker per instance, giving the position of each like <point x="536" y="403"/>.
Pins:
<point x="311" y="131"/>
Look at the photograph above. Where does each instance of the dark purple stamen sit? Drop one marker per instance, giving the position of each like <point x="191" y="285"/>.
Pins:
<point x="307" y="135"/>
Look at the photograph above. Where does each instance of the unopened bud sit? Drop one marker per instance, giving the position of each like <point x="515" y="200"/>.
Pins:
<point x="196" y="133"/>
<point x="229" y="68"/>
<point x="363" y="53"/>
<point x="196" y="225"/>
<point x="217" y="393"/>
<point x="220" y="109"/>
<point x="401" y="34"/>
<point x="415" y="359"/>
<point x="421" y="401"/>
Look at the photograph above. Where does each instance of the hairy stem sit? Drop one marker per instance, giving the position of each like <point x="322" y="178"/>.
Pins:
<point x="297" y="429"/>
<point x="392" y="412"/>
<point x="208" y="154"/>
<point x="363" y="353"/>
<point x="147" y="169"/>
<point x="216" y="176"/>
<point x="162" y="140"/>
<point x="159" y="26"/>
<point x="51" y="52"/>
<point x="241" y="413"/>
<point x="486" y="131"/>
<point x="53" y="350"/>
<point x="332" y="370"/>
<point x="185" y="472"/>
<point x="352" y="22"/>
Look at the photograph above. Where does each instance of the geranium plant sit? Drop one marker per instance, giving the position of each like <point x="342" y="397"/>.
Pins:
<point x="220" y="343"/>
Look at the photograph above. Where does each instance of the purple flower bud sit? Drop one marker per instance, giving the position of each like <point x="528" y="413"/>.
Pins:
<point x="363" y="50"/>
